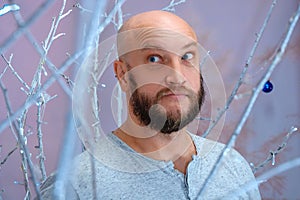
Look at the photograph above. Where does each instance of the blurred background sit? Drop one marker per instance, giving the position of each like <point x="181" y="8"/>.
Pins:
<point x="228" y="30"/>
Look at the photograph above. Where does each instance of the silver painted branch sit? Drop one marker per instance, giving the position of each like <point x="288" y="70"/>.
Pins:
<point x="272" y="155"/>
<point x="42" y="50"/>
<point x="110" y="16"/>
<point x="44" y="87"/>
<point x="8" y="155"/>
<point x="265" y="176"/>
<point x="15" y="73"/>
<point x="275" y="61"/>
<point x="15" y="35"/>
<point x="172" y="4"/>
<point x="25" y="155"/>
<point x="40" y="146"/>
<point x="242" y="76"/>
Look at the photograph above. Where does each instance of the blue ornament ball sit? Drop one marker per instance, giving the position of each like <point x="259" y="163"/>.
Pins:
<point x="268" y="87"/>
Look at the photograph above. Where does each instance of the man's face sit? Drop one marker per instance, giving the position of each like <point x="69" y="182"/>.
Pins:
<point x="165" y="85"/>
<point x="166" y="90"/>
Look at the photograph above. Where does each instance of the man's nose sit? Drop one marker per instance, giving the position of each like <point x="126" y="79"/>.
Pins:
<point x="174" y="75"/>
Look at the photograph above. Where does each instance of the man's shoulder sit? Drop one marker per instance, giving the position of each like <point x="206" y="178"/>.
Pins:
<point x="233" y="166"/>
<point x="210" y="149"/>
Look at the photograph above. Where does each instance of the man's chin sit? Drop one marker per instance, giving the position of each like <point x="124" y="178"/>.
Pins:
<point x="166" y="126"/>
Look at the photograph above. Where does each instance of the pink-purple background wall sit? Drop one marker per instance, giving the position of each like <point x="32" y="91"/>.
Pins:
<point x="226" y="28"/>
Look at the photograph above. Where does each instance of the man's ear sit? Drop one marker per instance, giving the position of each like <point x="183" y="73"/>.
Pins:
<point x="120" y="69"/>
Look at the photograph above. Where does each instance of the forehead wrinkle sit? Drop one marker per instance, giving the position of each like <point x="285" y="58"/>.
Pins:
<point x="153" y="46"/>
<point x="168" y="42"/>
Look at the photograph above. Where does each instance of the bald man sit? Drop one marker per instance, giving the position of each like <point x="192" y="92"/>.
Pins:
<point x="152" y="155"/>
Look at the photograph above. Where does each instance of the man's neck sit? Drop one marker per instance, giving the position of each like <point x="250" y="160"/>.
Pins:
<point x="176" y="146"/>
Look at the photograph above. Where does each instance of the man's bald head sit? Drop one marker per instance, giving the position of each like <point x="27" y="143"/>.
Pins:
<point x="154" y="27"/>
<point x="159" y="19"/>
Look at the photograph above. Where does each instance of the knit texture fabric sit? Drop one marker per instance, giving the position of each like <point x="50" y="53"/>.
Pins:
<point x="116" y="171"/>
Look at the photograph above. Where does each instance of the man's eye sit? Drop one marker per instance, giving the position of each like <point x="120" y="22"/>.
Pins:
<point x="154" y="59"/>
<point x="187" y="56"/>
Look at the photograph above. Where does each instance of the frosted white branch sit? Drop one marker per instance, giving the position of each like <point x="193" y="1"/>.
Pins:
<point x="264" y="177"/>
<point x="272" y="155"/>
<point x="44" y="87"/>
<point x="9" y="8"/>
<point x="110" y="16"/>
<point x="58" y="35"/>
<point x="66" y="14"/>
<point x="78" y="5"/>
<point x="278" y="56"/>
<point x="245" y="69"/>
<point x="42" y="51"/>
<point x="16" y="34"/>
<point x="15" y="73"/>
<point x="172" y="5"/>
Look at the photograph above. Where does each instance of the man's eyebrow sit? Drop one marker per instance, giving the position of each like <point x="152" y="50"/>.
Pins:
<point x="191" y="44"/>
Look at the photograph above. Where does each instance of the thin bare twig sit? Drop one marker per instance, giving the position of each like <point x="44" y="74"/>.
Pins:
<point x="16" y="128"/>
<point x="91" y="43"/>
<point x="242" y="76"/>
<point x="15" y="35"/>
<point x="110" y="16"/>
<point x="264" y="177"/>
<point x="44" y="87"/>
<point x="43" y="50"/>
<point x="25" y="155"/>
<point x="172" y="4"/>
<point x="41" y="155"/>
<point x="120" y="15"/>
<point x="32" y="99"/>
<point x="275" y="61"/>
<point x="3" y="72"/>
<point x="272" y="155"/>
<point x="118" y="96"/>
<point x="52" y="33"/>
<point x="8" y="155"/>
<point x="82" y="9"/>
<point x="36" y="85"/>
<point x="15" y="73"/>
<point x="92" y="40"/>
<point x="42" y="103"/>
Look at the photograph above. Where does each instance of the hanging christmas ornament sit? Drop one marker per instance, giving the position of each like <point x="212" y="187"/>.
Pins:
<point x="268" y="87"/>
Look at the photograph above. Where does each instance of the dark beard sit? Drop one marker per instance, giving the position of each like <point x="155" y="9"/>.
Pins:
<point x="149" y="113"/>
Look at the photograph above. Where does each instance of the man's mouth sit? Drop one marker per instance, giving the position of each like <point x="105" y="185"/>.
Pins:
<point x="173" y="95"/>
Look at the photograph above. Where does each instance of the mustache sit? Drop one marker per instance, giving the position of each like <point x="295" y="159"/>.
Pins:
<point x="176" y="90"/>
